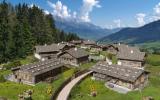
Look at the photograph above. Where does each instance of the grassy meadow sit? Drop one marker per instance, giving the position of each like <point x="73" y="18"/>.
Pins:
<point x="11" y="90"/>
<point x="83" y="90"/>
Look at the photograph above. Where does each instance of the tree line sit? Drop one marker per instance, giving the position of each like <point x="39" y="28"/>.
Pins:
<point x="22" y="27"/>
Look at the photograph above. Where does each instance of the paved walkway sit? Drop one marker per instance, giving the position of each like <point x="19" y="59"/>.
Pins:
<point x="67" y="89"/>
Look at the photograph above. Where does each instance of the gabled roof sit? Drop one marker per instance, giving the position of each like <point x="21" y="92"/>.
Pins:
<point x="40" y="67"/>
<point x="89" y="42"/>
<point x="76" y="52"/>
<point x="118" y="71"/>
<point x="76" y="41"/>
<point x="130" y="53"/>
<point x="50" y="48"/>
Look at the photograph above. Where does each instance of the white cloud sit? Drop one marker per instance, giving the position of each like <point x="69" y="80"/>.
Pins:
<point x="117" y="23"/>
<point x="46" y="12"/>
<point x="74" y="14"/>
<point x="86" y="8"/>
<point x="62" y="10"/>
<point x="109" y="26"/>
<point x="31" y="5"/>
<point x="157" y="9"/>
<point x="156" y="15"/>
<point x="140" y="18"/>
<point x="59" y="9"/>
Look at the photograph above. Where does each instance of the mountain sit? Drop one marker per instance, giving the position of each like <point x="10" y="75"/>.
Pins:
<point x="147" y="33"/>
<point x="83" y="29"/>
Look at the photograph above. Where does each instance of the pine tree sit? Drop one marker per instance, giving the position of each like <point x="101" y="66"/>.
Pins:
<point x="4" y="32"/>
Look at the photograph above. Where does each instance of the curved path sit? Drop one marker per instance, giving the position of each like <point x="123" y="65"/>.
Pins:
<point x="63" y="95"/>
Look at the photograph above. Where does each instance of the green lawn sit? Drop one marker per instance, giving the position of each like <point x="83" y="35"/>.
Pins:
<point x="87" y="65"/>
<point x="153" y="59"/>
<point x="12" y="89"/>
<point x="82" y="91"/>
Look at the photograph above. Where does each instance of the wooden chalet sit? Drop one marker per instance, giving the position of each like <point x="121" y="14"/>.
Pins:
<point x="87" y="44"/>
<point x="76" y="42"/>
<point x="112" y="49"/>
<point x="118" y="75"/>
<point x="74" y="56"/>
<point x="37" y="72"/>
<point x="50" y="51"/>
<point x="130" y="56"/>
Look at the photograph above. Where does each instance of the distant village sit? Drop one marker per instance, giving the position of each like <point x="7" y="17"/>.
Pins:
<point x="127" y="73"/>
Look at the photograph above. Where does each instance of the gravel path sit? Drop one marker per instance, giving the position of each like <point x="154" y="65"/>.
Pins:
<point x="67" y="89"/>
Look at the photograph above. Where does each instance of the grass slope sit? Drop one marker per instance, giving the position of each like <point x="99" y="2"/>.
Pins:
<point x="11" y="90"/>
<point x="82" y="91"/>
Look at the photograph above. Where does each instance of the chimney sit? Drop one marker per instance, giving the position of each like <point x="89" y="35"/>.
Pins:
<point x="119" y="63"/>
<point x="109" y="63"/>
<point x="75" y="49"/>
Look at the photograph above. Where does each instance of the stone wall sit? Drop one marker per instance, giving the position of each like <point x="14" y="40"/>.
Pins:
<point x="131" y="63"/>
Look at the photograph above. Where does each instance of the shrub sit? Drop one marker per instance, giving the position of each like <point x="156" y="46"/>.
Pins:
<point x="12" y="64"/>
<point x="2" y="79"/>
<point x="109" y="55"/>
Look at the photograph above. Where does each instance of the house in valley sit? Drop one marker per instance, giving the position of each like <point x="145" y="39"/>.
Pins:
<point x="120" y="76"/>
<point x="37" y="72"/>
<point x="87" y="44"/>
<point x="112" y="49"/>
<point x="74" y="56"/>
<point x="95" y="48"/>
<point x="70" y="45"/>
<point x="76" y="42"/>
<point x="130" y="56"/>
<point x="49" y="51"/>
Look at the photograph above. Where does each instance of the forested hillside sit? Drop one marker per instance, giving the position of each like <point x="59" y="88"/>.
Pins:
<point x="23" y="27"/>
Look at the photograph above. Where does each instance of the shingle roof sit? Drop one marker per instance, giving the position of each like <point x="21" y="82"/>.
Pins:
<point x="121" y="72"/>
<point x="49" y="48"/>
<point x="77" y="52"/>
<point x="76" y="41"/>
<point x="89" y="42"/>
<point x="130" y="53"/>
<point x="41" y="67"/>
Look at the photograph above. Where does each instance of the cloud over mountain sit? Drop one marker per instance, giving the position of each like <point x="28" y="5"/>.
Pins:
<point x="140" y="18"/>
<point x="62" y="11"/>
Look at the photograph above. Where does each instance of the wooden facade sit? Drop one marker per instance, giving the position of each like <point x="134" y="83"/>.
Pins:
<point x="68" y="58"/>
<point x="128" y="77"/>
<point x="130" y="56"/>
<point x="50" y="51"/>
<point x="37" y="72"/>
<point x="138" y="84"/>
<point x="131" y="63"/>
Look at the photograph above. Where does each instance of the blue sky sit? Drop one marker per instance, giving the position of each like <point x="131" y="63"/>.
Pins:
<point x="105" y="13"/>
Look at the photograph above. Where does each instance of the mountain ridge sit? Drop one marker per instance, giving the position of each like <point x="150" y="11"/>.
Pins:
<point x="147" y="33"/>
<point x="83" y="29"/>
